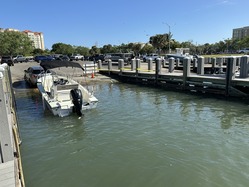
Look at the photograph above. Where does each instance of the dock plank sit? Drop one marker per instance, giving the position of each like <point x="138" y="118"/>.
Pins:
<point x="7" y="174"/>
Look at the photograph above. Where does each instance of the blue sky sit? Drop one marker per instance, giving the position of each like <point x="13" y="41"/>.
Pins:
<point x="100" y="22"/>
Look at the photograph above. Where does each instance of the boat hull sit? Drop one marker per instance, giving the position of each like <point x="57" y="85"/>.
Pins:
<point x="58" y="99"/>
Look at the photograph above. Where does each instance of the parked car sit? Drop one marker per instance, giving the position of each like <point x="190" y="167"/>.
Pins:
<point x="41" y="58"/>
<point x="86" y="58"/>
<point x="97" y="57"/>
<point x="8" y="60"/>
<point x="76" y="57"/>
<point x="115" y="57"/>
<point x="20" y="58"/>
<point x="30" y="58"/>
<point x="107" y="57"/>
<point x="63" y="58"/>
<point x="31" y="74"/>
<point x="246" y="50"/>
<point x="152" y="56"/>
<point x="56" y="55"/>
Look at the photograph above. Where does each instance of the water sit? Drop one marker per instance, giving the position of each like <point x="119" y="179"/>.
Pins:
<point x="137" y="137"/>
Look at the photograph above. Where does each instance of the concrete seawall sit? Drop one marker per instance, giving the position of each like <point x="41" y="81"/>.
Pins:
<point x="11" y="174"/>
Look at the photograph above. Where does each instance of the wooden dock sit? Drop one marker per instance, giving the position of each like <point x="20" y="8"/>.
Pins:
<point x="11" y="174"/>
<point x="226" y="76"/>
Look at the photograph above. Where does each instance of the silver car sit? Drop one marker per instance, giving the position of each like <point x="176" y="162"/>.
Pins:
<point x="31" y="74"/>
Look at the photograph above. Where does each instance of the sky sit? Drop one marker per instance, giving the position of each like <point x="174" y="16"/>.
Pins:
<point x="101" y="22"/>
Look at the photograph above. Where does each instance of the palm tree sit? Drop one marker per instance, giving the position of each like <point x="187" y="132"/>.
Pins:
<point x="159" y="41"/>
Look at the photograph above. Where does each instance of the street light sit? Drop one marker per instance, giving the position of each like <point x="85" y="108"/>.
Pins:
<point x="168" y="36"/>
<point x="226" y="40"/>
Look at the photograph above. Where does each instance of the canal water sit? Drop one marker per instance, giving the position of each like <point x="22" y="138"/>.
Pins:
<point x="136" y="137"/>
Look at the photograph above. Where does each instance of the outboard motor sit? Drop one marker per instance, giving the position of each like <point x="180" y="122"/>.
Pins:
<point x="77" y="101"/>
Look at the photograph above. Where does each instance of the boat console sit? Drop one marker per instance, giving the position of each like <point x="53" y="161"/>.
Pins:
<point x="61" y="82"/>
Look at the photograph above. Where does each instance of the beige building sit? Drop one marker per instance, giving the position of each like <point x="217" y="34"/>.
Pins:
<point x="240" y="33"/>
<point x="37" y="38"/>
<point x="9" y="29"/>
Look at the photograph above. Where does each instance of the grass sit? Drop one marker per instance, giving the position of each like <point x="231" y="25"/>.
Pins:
<point x="221" y="55"/>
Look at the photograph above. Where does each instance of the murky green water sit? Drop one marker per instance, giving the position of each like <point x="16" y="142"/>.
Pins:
<point x="137" y="137"/>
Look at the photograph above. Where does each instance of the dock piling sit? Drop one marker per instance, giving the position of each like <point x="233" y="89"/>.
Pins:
<point x="137" y="66"/>
<point x="195" y="63"/>
<point x="171" y="64"/>
<point x="109" y="65"/>
<point x="230" y="73"/>
<point x="186" y="69"/>
<point x="99" y="64"/>
<point x="149" y="61"/>
<point x="133" y="63"/>
<point x="121" y="65"/>
<point x="220" y="64"/>
<point x="244" y="63"/>
<point x="177" y="62"/>
<point x="200" y="66"/>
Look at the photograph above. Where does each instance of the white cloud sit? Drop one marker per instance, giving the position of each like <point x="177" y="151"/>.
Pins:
<point x="225" y="2"/>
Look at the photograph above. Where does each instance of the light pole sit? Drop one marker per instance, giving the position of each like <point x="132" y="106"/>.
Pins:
<point x="168" y="36"/>
<point x="226" y="40"/>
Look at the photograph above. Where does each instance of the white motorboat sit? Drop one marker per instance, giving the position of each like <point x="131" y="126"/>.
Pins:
<point x="63" y="95"/>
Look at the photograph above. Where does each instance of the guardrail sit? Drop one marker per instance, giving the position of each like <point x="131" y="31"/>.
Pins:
<point x="90" y="68"/>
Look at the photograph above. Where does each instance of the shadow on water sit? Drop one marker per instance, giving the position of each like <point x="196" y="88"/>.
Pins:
<point x="20" y="85"/>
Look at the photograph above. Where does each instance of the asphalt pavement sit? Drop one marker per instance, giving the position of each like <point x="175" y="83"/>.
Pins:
<point x="17" y="73"/>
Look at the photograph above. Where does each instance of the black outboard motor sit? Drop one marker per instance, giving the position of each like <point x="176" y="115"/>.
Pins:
<point x="77" y="101"/>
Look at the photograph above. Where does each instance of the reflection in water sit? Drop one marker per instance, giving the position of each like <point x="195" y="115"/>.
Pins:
<point x="136" y="136"/>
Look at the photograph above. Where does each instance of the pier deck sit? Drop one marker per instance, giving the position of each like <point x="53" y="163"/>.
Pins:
<point x="206" y="78"/>
<point x="11" y="174"/>
<point x="7" y="174"/>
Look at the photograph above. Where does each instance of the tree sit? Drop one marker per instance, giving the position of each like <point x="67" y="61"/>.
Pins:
<point x="159" y="41"/>
<point x="245" y="42"/>
<point x="174" y="44"/>
<point x="189" y="44"/>
<point x="82" y="50"/>
<point x="38" y="52"/>
<point x="94" y="50"/>
<point x="106" y="49"/>
<point x="61" y="48"/>
<point x="14" y="43"/>
<point x="147" y="49"/>
<point x="124" y="48"/>
<point x="136" y="48"/>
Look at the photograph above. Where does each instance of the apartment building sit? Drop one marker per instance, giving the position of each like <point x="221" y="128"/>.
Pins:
<point x="240" y="33"/>
<point x="36" y="37"/>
